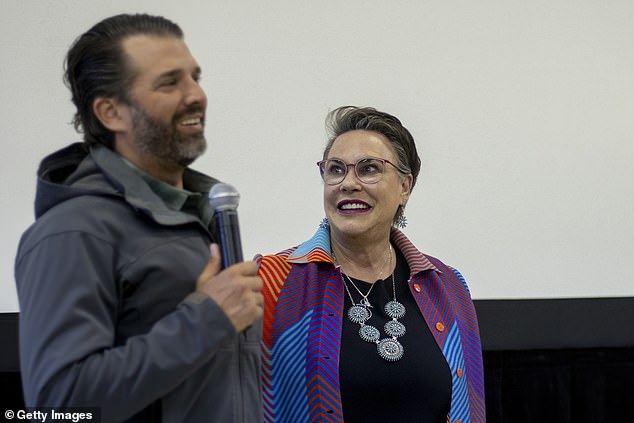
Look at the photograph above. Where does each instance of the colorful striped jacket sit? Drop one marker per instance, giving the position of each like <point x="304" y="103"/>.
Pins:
<point x="303" y="309"/>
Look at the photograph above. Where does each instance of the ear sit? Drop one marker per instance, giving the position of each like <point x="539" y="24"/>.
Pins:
<point x="111" y="113"/>
<point x="406" y="188"/>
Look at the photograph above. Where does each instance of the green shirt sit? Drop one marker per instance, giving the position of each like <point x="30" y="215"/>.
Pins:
<point x="191" y="202"/>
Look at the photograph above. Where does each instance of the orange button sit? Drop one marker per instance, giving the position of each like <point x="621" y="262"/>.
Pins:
<point x="440" y="326"/>
<point x="417" y="287"/>
<point x="457" y="421"/>
<point x="459" y="372"/>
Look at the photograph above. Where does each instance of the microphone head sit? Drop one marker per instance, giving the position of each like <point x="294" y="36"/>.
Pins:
<point x="223" y="197"/>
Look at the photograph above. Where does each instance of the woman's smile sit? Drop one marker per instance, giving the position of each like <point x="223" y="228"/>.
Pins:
<point x="353" y="207"/>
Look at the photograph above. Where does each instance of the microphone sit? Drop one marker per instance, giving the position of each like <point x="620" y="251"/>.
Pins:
<point x="224" y="199"/>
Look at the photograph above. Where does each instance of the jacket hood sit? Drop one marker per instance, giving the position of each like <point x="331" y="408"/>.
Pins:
<point x="65" y="174"/>
<point x="79" y="170"/>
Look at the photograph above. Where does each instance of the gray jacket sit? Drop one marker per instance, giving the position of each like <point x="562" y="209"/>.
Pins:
<point x="107" y="318"/>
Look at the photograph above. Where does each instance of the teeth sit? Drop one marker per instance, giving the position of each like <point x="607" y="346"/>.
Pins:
<point x="354" y="206"/>
<point x="194" y="121"/>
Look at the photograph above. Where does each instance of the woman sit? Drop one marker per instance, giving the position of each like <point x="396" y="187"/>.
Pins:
<point x="358" y="324"/>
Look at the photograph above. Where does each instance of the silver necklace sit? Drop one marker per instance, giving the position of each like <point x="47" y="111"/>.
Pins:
<point x="388" y="348"/>
<point x="364" y="300"/>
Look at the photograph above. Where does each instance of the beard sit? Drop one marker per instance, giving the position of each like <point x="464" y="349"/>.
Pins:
<point x="164" y="141"/>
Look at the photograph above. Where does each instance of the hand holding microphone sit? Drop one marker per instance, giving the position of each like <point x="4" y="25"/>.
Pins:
<point x="231" y="282"/>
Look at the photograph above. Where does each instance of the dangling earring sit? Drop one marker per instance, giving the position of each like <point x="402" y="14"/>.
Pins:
<point x="401" y="220"/>
<point x="325" y="224"/>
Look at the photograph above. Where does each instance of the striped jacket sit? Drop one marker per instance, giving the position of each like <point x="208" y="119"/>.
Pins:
<point x="303" y="309"/>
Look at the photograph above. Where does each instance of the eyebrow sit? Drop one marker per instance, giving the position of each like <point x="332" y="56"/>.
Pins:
<point x="176" y="73"/>
<point x="358" y="160"/>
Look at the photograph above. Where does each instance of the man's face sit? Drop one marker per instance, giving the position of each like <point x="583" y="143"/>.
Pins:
<point x="168" y="105"/>
<point x="163" y="140"/>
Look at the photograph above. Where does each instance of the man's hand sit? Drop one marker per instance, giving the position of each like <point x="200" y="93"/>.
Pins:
<point x="235" y="289"/>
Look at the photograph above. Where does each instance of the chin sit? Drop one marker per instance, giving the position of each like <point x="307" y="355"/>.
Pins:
<point x="190" y="152"/>
<point x="186" y="161"/>
<point x="348" y="228"/>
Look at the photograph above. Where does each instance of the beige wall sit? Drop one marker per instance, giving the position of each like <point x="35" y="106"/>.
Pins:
<point x="523" y="112"/>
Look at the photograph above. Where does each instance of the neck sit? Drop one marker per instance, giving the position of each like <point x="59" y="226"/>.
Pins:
<point x="170" y="173"/>
<point x="365" y="261"/>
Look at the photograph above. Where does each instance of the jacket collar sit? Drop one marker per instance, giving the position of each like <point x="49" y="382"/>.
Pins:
<point x="138" y="193"/>
<point x="317" y="249"/>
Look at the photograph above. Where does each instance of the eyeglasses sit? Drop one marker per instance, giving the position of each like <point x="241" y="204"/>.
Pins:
<point x="369" y="170"/>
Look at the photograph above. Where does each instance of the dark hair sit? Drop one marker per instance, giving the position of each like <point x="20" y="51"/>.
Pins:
<point x="96" y="66"/>
<point x="351" y="118"/>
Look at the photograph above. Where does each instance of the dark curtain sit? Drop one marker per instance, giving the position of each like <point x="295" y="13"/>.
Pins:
<point x="572" y="385"/>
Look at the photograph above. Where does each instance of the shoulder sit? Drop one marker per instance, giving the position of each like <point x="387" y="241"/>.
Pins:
<point x="274" y="267"/>
<point x="442" y="266"/>
<point x="71" y="226"/>
<point x="451" y="276"/>
<point x="87" y="213"/>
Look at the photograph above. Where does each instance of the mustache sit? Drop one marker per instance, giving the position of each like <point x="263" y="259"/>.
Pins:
<point x="190" y="111"/>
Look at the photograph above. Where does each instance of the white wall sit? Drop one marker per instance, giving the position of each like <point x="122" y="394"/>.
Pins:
<point x="523" y="112"/>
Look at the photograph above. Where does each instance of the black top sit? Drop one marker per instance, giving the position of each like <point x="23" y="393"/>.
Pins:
<point x="416" y="388"/>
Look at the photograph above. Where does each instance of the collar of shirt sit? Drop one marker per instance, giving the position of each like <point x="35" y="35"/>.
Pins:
<point x="194" y="203"/>
<point x="317" y="249"/>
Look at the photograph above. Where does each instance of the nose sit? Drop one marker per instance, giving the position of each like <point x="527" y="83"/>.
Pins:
<point x="194" y="93"/>
<point x="351" y="181"/>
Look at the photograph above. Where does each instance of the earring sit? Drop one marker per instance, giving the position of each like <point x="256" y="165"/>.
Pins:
<point x="325" y="224"/>
<point x="401" y="222"/>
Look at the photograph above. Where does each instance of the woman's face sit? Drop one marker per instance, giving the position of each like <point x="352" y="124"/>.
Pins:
<point x="356" y="209"/>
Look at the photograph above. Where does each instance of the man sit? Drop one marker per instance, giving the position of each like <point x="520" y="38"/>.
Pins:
<point x="124" y="306"/>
